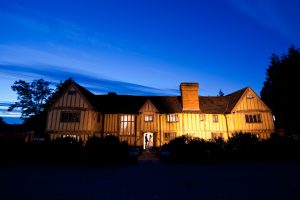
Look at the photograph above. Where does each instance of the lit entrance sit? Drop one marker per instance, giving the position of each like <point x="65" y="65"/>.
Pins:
<point x="148" y="140"/>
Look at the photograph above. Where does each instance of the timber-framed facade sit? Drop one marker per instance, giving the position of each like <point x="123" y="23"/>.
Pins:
<point x="155" y="120"/>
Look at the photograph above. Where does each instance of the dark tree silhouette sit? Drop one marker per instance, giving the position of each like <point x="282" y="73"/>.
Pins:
<point x="221" y="93"/>
<point x="280" y="89"/>
<point x="2" y="122"/>
<point x="31" y="96"/>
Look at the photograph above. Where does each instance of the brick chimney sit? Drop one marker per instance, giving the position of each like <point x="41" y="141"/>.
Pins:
<point x="189" y="96"/>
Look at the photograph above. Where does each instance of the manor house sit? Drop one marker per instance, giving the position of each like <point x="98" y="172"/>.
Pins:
<point x="155" y="120"/>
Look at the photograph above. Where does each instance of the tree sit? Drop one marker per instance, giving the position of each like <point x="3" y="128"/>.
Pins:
<point x="2" y="122"/>
<point x="221" y="93"/>
<point x="31" y="97"/>
<point x="280" y="89"/>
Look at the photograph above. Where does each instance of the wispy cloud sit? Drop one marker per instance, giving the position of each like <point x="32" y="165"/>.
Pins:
<point x="52" y="29"/>
<point x="96" y="84"/>
<point x="269" y="14"/>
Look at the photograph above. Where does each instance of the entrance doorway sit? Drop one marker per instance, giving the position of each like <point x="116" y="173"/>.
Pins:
<point x="148" y="140"/>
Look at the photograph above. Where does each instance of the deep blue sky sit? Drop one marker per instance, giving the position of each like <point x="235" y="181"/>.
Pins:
<point x="144" y="47"/>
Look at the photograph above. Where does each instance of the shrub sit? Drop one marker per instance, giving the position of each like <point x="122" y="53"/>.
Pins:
<point x="107" y="149"/>
<point x="243" y="145"/>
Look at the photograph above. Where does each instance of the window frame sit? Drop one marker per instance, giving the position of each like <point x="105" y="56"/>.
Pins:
<point x="70" y="116"/>
<point x="127" y="124"/>
<point x="172" y="118"/>
<point x="202" y="117"/>
<point x="148" y="118"/>
<point x="253" y="118"/>
<point x="215" y="119"/>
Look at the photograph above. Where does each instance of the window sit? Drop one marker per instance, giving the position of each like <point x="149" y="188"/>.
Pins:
<point x="72" y="91"/>
<point x="202" y="117"/>
<point x="250" y="96"/>
<point x="216" y="135"/>
<point x="169" y="136"/>
<point x="148" y="118"/>
<point x="172" y="118"/>
<point x="127" y="125"/>
<point x="70" y="116"/>
<point x="215" y="118"/>
<point x="76" y="137"/>
<point x="253" y="118"/>
<point x="247" y="118"/>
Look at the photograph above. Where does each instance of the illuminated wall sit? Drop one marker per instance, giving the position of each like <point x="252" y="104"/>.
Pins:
<point x="72" y="114"/>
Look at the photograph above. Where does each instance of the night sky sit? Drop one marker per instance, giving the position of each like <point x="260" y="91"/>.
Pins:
<point x="143" y="47"/>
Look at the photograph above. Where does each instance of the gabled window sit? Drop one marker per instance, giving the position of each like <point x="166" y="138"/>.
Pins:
<point x="215" y="119"/>
<point x="172" y="118"/>
<point x="70" y="116"/>
<point x="127" y="126"/>
<point x="253" y="118"/>
<point x="148" y="118"/>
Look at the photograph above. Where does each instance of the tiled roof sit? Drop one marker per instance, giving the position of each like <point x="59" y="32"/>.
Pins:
<point x="234" y="98"/>
<point x="113" y="103"/>
<point x="213" y="105"/>
<point x="220" y="104"/>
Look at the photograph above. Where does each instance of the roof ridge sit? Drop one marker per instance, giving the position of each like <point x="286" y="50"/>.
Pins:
<point x="243" y="89"/>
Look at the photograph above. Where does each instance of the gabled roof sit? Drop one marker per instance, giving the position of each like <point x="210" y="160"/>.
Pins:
<point x="87" y="94"/>
<point x="234" y="98"/>
<point x="113" y="103"/>
<point x="167" y="104"/>
<point x="220" y="104"/>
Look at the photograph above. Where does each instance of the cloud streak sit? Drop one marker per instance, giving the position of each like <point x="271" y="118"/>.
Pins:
<point x="95" y="84"/>
<point x="269" y="14"/>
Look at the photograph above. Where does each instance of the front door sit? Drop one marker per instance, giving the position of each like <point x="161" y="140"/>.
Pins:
<point x="148" y="140"/>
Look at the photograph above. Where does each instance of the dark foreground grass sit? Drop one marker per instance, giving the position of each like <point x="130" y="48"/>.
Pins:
<point x="248" y="180"/>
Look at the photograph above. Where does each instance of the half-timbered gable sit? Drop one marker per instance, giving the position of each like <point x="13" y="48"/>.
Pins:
<point x="251" y="114"/>
<point x="72" y="114"/>
<point x="155" y="120"/>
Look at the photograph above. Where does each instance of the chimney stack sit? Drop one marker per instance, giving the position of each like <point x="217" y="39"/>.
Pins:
<point x="189" y="96"/>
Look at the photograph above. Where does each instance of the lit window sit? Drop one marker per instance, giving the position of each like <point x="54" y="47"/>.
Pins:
<point x="215" y="118"/>
<point x="148" y="118"/>
<point x="172" y="118"/>
<point x="69" y="116"/>
<point x="71" y="136"/>
<point x="250" y="96"/>
<point x="127" y="125"/>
